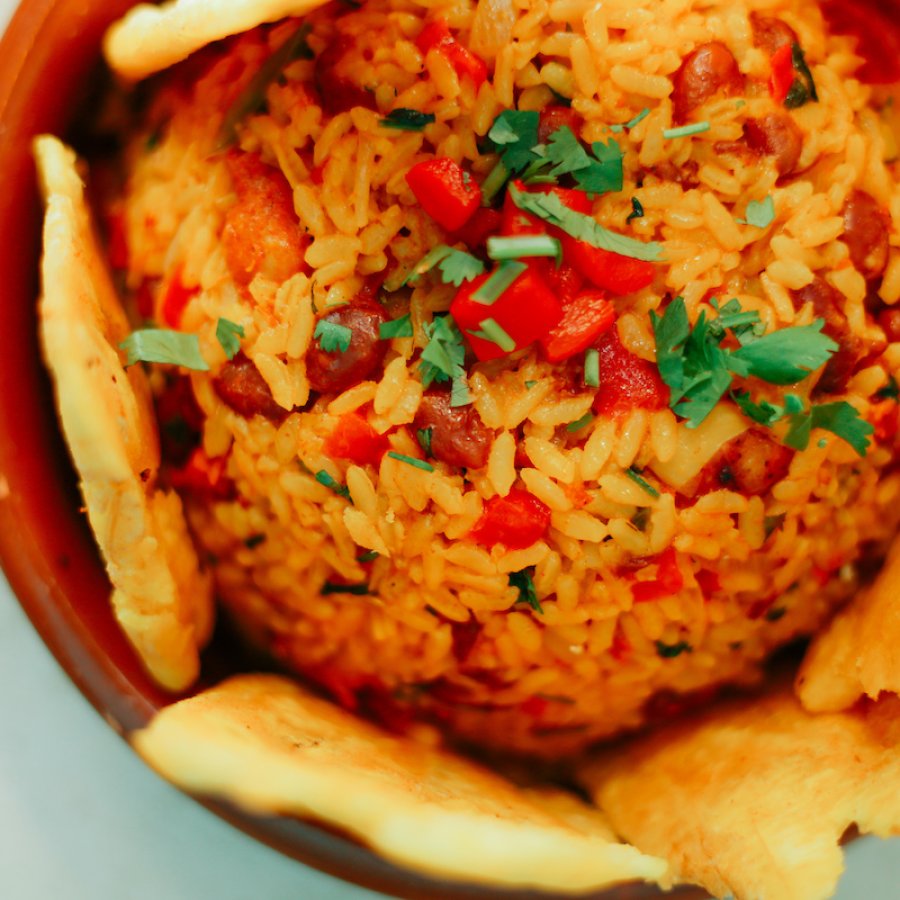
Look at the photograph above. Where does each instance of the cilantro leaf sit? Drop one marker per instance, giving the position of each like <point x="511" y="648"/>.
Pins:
<point x="764" y="413"/>
<point x="443" y="358"/>
<point x="840" y="418"/>
<point x="760" y="213"/>
<point x="458" y="266"/>
<point x="459" y="392"/>
<point x="332" y="337"/>
<point x="785" y="356"/>
<point x="637" y="210"/>
<point x="524" y="583"/>
<point x="401" y="327"/>
<point x="605" y="173"/>
<point x="403" y="119"/>
<point x="552" y="210"/>
<point x="515" y="134"/>
<point x="228" y="335"/>
<point x="159" y="345"/>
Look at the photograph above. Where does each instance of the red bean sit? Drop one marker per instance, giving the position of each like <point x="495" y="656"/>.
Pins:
<point x="750" y="464"/>
<point x="778" y="135"/>
<point x="708" y="70"/>
<point x="770" y="34"/>
<point x="335" y="371"/>
<point x="458" y="436"/>
<point x="241" y="387"/>
<point x="866" y="234"/>
<point x="828" y="304"/>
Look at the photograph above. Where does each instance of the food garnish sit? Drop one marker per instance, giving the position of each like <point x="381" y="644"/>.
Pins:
<point x="162" y="345"/>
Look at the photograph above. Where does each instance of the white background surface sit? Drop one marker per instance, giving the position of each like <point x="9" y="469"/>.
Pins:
<point x="81" y="818"/>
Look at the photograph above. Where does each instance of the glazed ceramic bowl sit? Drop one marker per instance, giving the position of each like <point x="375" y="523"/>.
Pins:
<point x="49" y="64"/>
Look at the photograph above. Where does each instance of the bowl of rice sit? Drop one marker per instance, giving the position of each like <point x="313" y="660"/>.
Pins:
<point x="467" y="401"/>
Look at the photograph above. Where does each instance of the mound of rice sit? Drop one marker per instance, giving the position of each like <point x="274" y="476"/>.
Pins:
<point x="673" y="559"/>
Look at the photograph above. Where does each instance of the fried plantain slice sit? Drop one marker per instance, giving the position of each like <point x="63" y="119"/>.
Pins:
<point x="151" y="38"/>
<point x="752" y="797"/>
<point x="160" y="596"/>
<point x="859" y="652"/>
<point x="266" y="744"/>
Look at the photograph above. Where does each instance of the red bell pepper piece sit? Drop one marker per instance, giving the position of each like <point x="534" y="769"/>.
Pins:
<point x="782" y="76"/>
<point x="484" y="223"/>
<point x="175" y="300"/>
<point x="517" y="521"/>
<point x="584" y="319"/>
<point x="436" y="36"/>
<point x="205" y="476"/>
<point x="117" y="241"/>
<point x="445" y="191"/>
<point x="555" y="117"/>
<point x="668" y="581"/>
<point x="610" y="271"/>
<point x="626" y="381"/>
<point x="526" y="311"/>
<point x="563" y="280"/>
<point x="355" y="439"/>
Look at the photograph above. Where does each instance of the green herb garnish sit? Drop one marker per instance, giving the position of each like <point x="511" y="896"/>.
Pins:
<point x="423" y="436"/>
<point x="670" y="651"/>
<point x="592" y="367"/>
<point x="360" y="590"/>
<point x="500" y="279"/>
<point x="760" y="213"/>
<point x="525" y="245"/>
<point x="455" y="266"/>
<point x="804" y="87"/>
<point x="529" y="385"/>
<point x="685" y="130"/>
<point x="552" y="210"/>
<point x="228" y="335"/>
<point x="368" y="556"/>
<point x="631" y="122"/>
<point x="524" y="583"/>
<point x="637" y="210"/>
<point x="332" y="484"/>
<point x="403" y="119"/>
<point x="578" y="424"/>
<point x="515" y="134"/>
<point x="254" y="540"/>
<point x="891" y="391"/>
<point x="412" y="461"/>
<point x="491" y="330"/>
<point x="396" y="328"/>
<point x="596" y="175"/>
<point x="332" y="337"/>
<point x="443" y="358"/>
<point x="635" y="476"/>
<point x="160" y="345"/>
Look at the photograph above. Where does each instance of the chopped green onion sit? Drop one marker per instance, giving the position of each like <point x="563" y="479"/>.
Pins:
<point x="641" y="483"/>
<point x="332" y="337"/>
<point x="637" y="210"/>
<point x="685" y="130"/>
<point x="578" y="424"/>
<point x="159" y="345"/>
<point x="493" y="184"/>
<point x="228" y="334"/>
<point x="396" y="328"/>
<point x="631" y="122"/>
<point x="526" y="245"/>
<point x="423" y="436"/>
<point x="501" y="278"/>
<point x="412" y="461"/>
<point x="491" y="330"/>
<point x="592" y="367"/>
<point x="428" y="262"/>
<point x="670" y="651"/>
<point x="332" y="483"/>
<point x="403" y="119"/>
<point x="360" y="590"/>
<point x="368" y="556"/>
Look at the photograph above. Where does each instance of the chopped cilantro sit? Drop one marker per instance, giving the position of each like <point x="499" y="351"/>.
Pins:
<point x="515" y="134"/>
<point x="491" y="330"/>
<point x="578" y="424"/>
<point x="552" y="210"/>
<point x="772" y="524"/>
<point x="412" y="461"/>
<point x="423" y="436"/>
<point x="760" y="213"/>
<point x="891" y="391"/>
<point x="670" y="651"/>
<point x="444" y="355"/>
<point x="596" y="175"/>
<point x="631" y="122"/>
<point x="228" y="335"/>
<point x="459" y="392"/>
<point x="529" y="385"/>
<point x="333" y="484"/>
<point x="635" y="476"/>
<point x="685" y="130"/>
<point x="160" y="345"/>
<point x="524" y="246"/>
<point x="332" y="337"/>
<point x="253" y="97"/>
<point x="637" y="210"/>
<point x="330" y="587"/>
<point x="428" y="261"/>
<point x="368" y="556"/>
<point x="839" y="418"/>
<point x="524" y="583"/>
<point x="500" y="279"/>
<point x="804" y="87"/>
<point x="403" y="119"/>
<point x="456" y="266"/>
<point x="592" y="367"/>
<point x="401" y="327"/>
<point x="784" y="356"/>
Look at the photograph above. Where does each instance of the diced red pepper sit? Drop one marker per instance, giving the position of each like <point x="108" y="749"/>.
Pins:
<point x="610" y="271"/>
<point x="885" y="416"/>
<point x="526" y="311"/>
<point x="782" y="76"/>
<point x="205" y="476"/>
<point x="517" y="521"/>
<point x="626" y="381"/>
<point x="585" y="318"/>
<point x="484" y="223"/>
<point x="355" y="439"/>
<point x="176" y="300"/>
<point x="534" y="706"/>
<point x="445" y="191"/>
<point x="563" y="280"/>
<point x="668" y="581"/>
<point x="436" y="36"/>
<point x="555" y="117"/>
<point x="708" y="582"/>
<point x="621" y="646"/>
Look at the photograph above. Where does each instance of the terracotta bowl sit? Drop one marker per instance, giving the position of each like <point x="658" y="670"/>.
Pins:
<point x="49" y="58"/>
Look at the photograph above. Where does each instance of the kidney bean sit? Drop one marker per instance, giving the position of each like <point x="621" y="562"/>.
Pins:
<point x="828" y="304"/>
<point x="708" y="70"/>
<point x="778" y="135"/>
<point x="770" y="34"/>
<point x="866" y="234"/>
<point x="458" y="436"/>
<point x="243" y="389"/>
<point x="333" y="372"/>
<point x="750" y="464"/>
